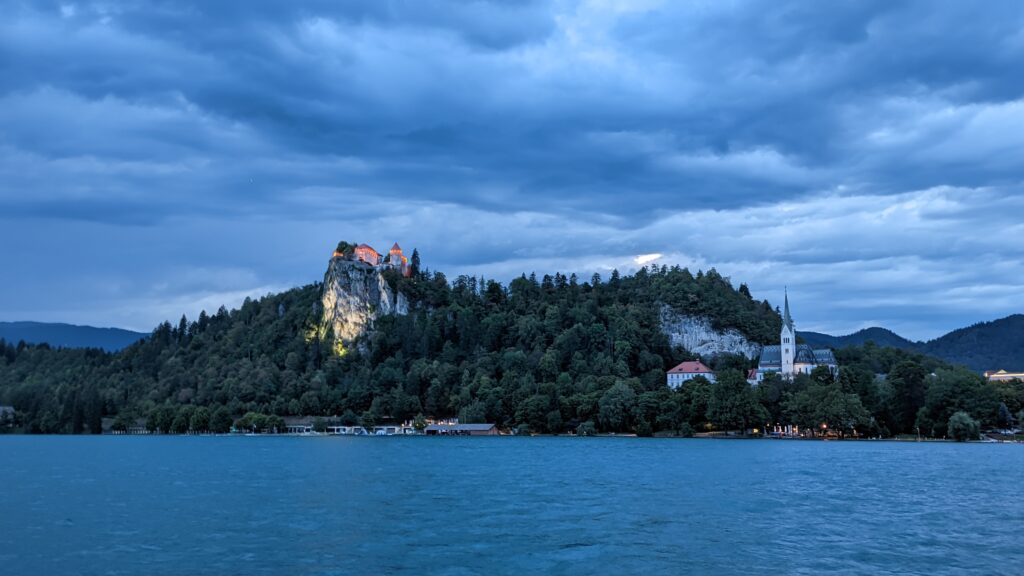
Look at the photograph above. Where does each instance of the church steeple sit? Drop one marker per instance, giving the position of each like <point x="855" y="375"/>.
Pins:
<point x="786" y="318"/>
<point x="787" y="344"/>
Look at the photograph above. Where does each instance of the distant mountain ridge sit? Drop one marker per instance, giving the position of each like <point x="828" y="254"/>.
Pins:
<point x="880" y="336"/>
<point x="69" y="335"/>
<point x="982" y="346"/>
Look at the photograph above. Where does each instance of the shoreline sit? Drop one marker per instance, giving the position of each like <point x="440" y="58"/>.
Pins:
<point x="632" y="436"/>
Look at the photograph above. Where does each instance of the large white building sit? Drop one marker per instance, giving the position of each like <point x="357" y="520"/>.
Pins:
<point x="789" y="358"/>
<point x="688" y="371"/>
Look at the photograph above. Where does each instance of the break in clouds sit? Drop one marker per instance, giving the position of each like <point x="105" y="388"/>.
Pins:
<point x="157" y="158"/>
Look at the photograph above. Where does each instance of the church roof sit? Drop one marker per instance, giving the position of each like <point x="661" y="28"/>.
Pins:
<point x="771" y="356"/>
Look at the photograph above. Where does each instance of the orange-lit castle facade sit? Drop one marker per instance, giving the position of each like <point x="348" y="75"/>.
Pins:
<point x="395" y="259"/>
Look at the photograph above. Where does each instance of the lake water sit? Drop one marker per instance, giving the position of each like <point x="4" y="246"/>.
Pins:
<point x="503" y="505"/>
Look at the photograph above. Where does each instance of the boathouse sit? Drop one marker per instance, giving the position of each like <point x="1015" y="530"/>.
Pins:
<point x="462" y="430"/>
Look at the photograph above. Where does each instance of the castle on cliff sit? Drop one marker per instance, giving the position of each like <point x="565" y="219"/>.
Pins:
<point x="366" y="254"/>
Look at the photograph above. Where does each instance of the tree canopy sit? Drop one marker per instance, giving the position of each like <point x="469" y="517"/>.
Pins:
<point x="551" y="354"/>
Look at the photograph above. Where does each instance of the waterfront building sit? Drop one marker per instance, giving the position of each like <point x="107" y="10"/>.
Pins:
<point x="462" y="430"/>
<point x="393" y="430"/>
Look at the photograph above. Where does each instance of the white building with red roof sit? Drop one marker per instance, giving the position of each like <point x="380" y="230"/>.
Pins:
<point x="687" y="371"/>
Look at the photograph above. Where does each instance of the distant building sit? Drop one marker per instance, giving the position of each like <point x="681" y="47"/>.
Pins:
<point x="687" y="371"/>
<point x="347" y="430"/>
<point x="299" y="425"/>
<point x="393" y="430"/>
<point x="1003" y="375"/>
<point x="462" y="430"/>
<point x="789" y="358"/>
<point x="397" y="261"/>
<point x="366" y="254"/>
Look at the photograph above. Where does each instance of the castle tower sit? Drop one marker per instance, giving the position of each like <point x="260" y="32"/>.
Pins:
<point x="395" y="256"/>
<point x="787" y="341"/>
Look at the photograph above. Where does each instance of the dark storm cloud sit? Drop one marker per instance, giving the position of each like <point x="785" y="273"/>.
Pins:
<point x="601" y="129"/>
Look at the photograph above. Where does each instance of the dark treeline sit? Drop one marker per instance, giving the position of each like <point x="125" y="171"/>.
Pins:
<point x="548" y="355"/>
<point x="887" y="391"/>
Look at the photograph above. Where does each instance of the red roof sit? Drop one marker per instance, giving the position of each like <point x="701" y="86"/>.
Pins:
<point x="695" y="367"/>
<point x="396" y="248"/>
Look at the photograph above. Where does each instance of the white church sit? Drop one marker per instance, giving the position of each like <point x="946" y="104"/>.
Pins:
<point x="789" y="358"/>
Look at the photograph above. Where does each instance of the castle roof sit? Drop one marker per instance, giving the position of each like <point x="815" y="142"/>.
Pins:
<point x="365" y="247"/>
<point x="695" y="367"/>
<point x="396" y="248"/>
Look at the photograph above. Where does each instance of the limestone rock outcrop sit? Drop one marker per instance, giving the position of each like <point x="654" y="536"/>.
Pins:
<point x="354" y="296"/>
<point x="697" y="335"/>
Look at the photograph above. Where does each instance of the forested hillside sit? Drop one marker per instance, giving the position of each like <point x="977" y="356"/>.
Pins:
<point x="543" y="353"/>
<point x="984" y="346"/>
<point x="550" y="355"/>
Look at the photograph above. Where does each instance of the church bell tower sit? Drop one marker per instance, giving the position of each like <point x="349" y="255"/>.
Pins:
<point x="787" y="344"/>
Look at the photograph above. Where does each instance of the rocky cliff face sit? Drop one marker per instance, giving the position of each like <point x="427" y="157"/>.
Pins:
<point x="354" y="296"/>
<point x="698" y="336"/>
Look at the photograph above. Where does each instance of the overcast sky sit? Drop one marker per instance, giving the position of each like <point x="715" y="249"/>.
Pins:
<point x="157" y="158"/>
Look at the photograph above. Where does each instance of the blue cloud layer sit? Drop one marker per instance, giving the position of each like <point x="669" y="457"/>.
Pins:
<point x="155" y="155"/>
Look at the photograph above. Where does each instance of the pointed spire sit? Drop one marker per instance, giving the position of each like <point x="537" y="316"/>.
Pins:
<point x="786" y="318"/>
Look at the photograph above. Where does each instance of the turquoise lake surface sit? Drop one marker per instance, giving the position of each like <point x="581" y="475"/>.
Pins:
<point x="504" y="505"/>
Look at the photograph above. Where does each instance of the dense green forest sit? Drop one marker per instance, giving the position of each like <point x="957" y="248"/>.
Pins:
<point x="551" y="355"/>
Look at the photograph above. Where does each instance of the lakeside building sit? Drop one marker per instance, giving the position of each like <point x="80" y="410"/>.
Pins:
<point x="462" y="430"/>
<point x="307" y="425"/>
<point x="1003" y="376"/>
<point x="687" y="371"/>
<point x="393" y="430"/>
<point x="789" y="358"/>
